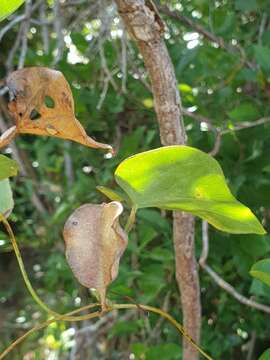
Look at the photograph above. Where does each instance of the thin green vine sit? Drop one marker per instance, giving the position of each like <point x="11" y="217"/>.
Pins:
<point x="26" y="278"/>
<point x="68" y="316"/>
<point x="96" y="314"/>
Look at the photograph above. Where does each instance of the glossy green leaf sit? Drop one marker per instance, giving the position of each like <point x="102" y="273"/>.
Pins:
<point x="6" y="198"/>
<point x="261" y="270"/>
<point x="7" y="7"/>
<point x="8" y="167"/>
<point x="265" y="355"/>
<point x="185" y="178"/>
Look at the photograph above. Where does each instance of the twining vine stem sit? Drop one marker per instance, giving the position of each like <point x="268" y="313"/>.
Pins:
<point x="69" y="316"/>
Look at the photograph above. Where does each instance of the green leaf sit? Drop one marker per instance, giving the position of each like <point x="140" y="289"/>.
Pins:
<point x="8" y="167"/>
<point x="261" y="270"/>
<point x="244" y="112"/>
<point x="7" y="7"/>
<point x="262" y="54"/>
<point x="246" y="5"/>
<point x="167" y="351"/>
<point x="259" y="288"/>
<point x="125" y="328"/>
<point x="79" y="41"/>
<point x="265" y="355"/>
<point x="185" y="178"/>
<point x="6" y="198"/>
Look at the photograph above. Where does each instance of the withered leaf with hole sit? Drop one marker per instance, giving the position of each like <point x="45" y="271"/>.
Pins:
<point x="42" y="104"/>
<point x="95" y="243"/>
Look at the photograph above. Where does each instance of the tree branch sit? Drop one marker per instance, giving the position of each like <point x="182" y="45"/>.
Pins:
<point x="145" y="26"/>
<point x="234" y="50"/>
<point x="218" y="279"/>
<point x="246" y="125"/>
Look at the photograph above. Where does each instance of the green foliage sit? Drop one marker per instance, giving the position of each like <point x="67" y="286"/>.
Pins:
<point x="262" y="54"/>
<point x="218" y="83"/>
<point x="245" y="112"/>
<point x="261" y="270"/>
<point x="167" y="351"/>
<point x="265" y="355"/>
<point x="8" y="167"/>
<point x="184" y="178"/>
<point x="6" y="198"/>
<point x="7" y="7"/>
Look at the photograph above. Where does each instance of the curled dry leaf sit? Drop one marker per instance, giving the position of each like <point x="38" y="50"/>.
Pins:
<point x="95" y="243"/>
<point x="42" y="104"/>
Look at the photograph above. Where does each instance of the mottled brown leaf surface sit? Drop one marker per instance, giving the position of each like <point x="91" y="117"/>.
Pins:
<point x="95" y="243"/>
<point x="42" y="104"/>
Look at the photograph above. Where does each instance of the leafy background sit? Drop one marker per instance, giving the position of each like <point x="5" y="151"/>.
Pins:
<point x="230" y="87"/>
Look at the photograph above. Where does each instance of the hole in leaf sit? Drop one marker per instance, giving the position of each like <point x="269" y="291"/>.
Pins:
<point x="34" y="115"/>
<point x="49" y="102"/>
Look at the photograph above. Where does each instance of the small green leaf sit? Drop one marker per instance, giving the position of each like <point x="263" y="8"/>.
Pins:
<point x="265" y="355"/>
<point x="261" y="270"/>
<point x="185" y="178"/>
<point x="245" y="112"/>
<point x="7" y="7"/>
<point x="8" y="167"/>
<point x="6" y="198"/>
<point x="262" y="54"/>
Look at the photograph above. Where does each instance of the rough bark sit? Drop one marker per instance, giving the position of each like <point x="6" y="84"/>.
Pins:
<point x="146" y="28"/>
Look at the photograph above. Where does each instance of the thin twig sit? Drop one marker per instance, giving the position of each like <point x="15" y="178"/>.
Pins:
<point x="246" y="125"/>
<point x="59" y="31"/>
<point x="103" y="93"/>
<point x="104" y="65"/>
<point x="220" y="281"/>
<point x="12" y="52"/>
<point x="124" y="62"/>
<point x="36" y="200"/>
<point x="251" y="345"/>
<point x="205" y="33"/>
<point x="192" y="24"/>
<point x="44" y="27"/>
<point x="69" y="171"/>
<point x="26" y="25"/>
<point x="205" y="240"/>
<point x="202" y="119"/>
<point x="262" y="27"/>
<point x="10" y="25"/>
<point x="233" y="292"/>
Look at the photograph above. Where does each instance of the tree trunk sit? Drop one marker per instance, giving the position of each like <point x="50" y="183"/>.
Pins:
<point x="146" y="28"/>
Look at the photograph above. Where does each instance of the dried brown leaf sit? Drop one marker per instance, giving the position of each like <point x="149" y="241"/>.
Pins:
<point x="42" y="104"/>
<point x="95" y="243"/>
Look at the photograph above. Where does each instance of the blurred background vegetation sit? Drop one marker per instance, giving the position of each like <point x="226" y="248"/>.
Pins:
<point x="221" y="54"/>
